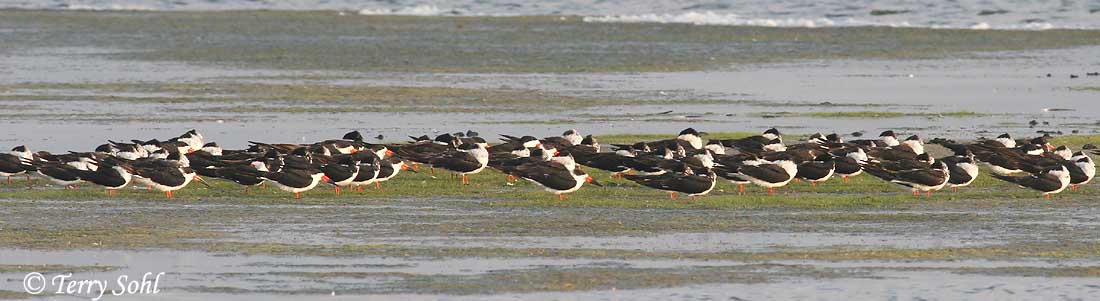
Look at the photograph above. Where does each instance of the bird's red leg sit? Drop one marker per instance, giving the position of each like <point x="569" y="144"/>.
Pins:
<point x="672" y="195"/>
<point x="247" y="189"/>
<point x="771" y="191"/>
<point x="561" y="197"/>
<point x="168" y="195"/>
<point x="813" y="185"/>
<point x="844" y="179"/>
<point x="337" y="188"/>
<point x="954" y="189"/>
<point x="9" y="180"/>
<point x="693" y="199"/>
<point x="297" y="196"/>
<point x="928" y="194"/>
<point x="377" y="185"/>
<point x="1048" y="196"/>
<point x="740" y="188"/>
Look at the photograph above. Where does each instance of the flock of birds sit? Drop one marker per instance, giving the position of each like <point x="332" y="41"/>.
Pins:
<point x="686" y="164"/>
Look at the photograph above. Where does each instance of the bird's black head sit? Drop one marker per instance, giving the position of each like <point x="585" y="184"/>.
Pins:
<point x="772" y="131"/>
<point x="21" y="148"/>
<point x="470" y="133"/>
<point x="525" y="139"/>
<point x="570" y="132"/>
<point x="447" y="139"/>
<point x="913" y="138"/>
<point x="834" y="138"/>
<point x="353" y="136"/>
<point x="689" y="131"/>
<point x="1031" y="147"/>
<point x="1043" y="140"/>
<point x="924" y="157"/>
<point x="589" y="140"/>
<point x="468" y="146"/>
<point x="889" y="133"/>
<point x="1005" y="136"/>
<point x="211" y="144"/>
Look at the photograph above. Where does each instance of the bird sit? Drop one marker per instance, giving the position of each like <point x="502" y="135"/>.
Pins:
<point x="962" y="167"/>
<point x="295" y="175"/>
<point x="691" y="182"/>
<point x="819" y="169"/>
<point x="165" y="175"/>
<point x="926" y="179"/>
<point x="688" y="138"/>
<point x="850" y="162"/>
<point x="554" y="177"/>
<point x="467" y="159"/>
<point x="1052" y="180"/>
<point x="769" y="174"/>
<point x="389" y="169"/>
<point x="60" y="173"/>
<point x="1086" y="168"/>
<point x="15" y="163"/>
<point x="111" y="173"/>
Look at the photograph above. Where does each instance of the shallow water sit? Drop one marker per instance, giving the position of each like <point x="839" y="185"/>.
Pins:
<point x="787" y="13"/>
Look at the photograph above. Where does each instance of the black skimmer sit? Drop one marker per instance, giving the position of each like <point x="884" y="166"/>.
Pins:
<point x="819" y="169"/>
<point x="369" y="167"/>
<point x="1053" y="179"/>
<point x="511" y="143"/>
<point x="770" y="141"/>
<point x="15" y="163"/>
<point x="341" y="171"/>
<point x="631" y="150"/>
<point x="247" y="174"/>
<point x="689" y="138"/>
<point x="715" y="147"/>
<point x="850" y="162"/>
<point x="165" y="175"/>
<point x="389" y="169"/>
<point x="295" y="174"/>
<point x="60" y="173"/>
<point x="566" y="141"/>
<point x="691" y="182"/>
<point x="113" y="174"/>
<point x="555" y="177"/>
<point x="885" y="139"/>
<point x="193" y="139"/>
<point x="930" y="178"/>
<point x="1003" y="141"/>
<point x="727" y="165"/>
<point x="1008" y="161"/>
<point x="963" y="169"/>
<point x="1087" y="170"/>
<point x="466" y="160"/>
<point x="423" y="150"/>
<point x="769" y="174"/>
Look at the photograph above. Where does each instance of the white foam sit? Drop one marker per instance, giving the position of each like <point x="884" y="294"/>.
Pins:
<point x="108" y="7"/>
<point x="712" y="18"/>
<point x="418" y="10"/>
